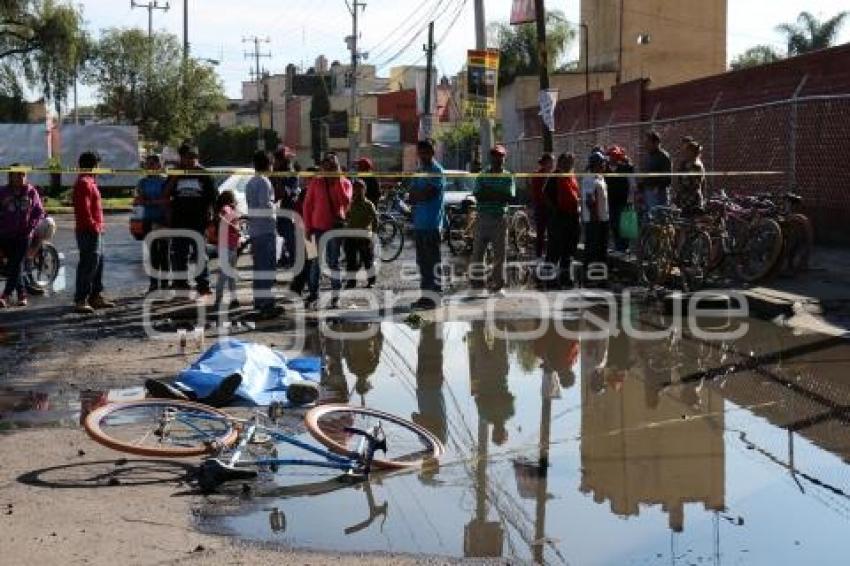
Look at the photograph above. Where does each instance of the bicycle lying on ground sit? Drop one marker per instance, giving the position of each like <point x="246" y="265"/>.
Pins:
<point x="350" y="436"/>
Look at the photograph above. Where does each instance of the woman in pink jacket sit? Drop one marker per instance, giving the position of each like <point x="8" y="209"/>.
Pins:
<point x="325" y="209"/>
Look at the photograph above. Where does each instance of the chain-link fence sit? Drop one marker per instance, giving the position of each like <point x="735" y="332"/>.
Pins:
<point x="803" y="141"/>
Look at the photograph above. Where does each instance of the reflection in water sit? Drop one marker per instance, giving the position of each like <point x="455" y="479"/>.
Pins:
<point x="534" y="464"/>
<point x="430" y="401"/>
<point x="488" y="378"/>
<point x="641" y="447"/>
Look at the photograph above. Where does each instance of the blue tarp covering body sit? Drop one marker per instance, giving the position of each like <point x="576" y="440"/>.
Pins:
<point x="265" y="373"/>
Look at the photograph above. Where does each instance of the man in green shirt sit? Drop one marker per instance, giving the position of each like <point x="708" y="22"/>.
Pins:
<point x="494" y="189"/>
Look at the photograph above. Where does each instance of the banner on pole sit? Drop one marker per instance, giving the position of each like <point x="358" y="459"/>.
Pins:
<point x="548" y="101"/>
<point x="482" y="73"/>
<point x="523" y="12"/>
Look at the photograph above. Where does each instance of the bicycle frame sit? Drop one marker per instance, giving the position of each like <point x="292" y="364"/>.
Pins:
<point x="331" y="460"/>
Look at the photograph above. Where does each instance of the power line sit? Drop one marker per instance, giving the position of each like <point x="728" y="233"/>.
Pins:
<point x="258" y="77"/>
<point x="395" y="30"/>
<point x="416" y="25"/>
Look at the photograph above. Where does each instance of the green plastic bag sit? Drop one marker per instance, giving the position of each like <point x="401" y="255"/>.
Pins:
<point x="629" y="223"/>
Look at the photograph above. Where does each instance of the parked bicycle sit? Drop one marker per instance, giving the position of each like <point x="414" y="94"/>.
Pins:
<point x="42" y="263"/>
<point x="350" y="437"/>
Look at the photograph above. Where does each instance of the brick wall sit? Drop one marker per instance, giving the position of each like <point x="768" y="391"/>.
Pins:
<point x="754" y="127"/>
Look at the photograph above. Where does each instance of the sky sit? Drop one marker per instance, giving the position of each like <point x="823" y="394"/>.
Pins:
<point x="300" y="30"/>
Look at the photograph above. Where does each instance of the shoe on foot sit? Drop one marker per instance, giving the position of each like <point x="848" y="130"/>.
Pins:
<point x="302" y="392"/>
<point x="224" y="393"/>
<point x="204" y="292"/>
<point x="83" y="307"/>
<point x="99" y="302"/>
<point x="234" y="304"/>
<point x="162" y="390"/>
<point x="334" y="304"/>
<point x="4" y="302"/>
<point x="22" y="301"/>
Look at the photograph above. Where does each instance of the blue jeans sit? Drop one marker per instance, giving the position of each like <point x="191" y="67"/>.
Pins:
<point x="263" y="248"/>
<point x="90" y="269"/>
<point x="652" y="199"/>
<point x="428" y="258"/>
<point x="331" y="254"/>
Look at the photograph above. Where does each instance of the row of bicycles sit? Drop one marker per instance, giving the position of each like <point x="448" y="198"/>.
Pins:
<point x="749" y="238"/>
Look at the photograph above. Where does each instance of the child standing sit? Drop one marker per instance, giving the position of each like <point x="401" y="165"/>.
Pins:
<point x="228" y="250"/>
<point x="358" y="251"/>
<point x="594" y="210"/>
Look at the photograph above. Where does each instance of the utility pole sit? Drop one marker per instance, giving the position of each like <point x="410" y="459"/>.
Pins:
<point x="353" y="117"/>
<point x="150" y="7"/>
<point x="486" y="127"/>
<point x="427" y="122"/>
<point x="258" y="77"/>
<point x="185" y="33"/>
<point x="543" y="60"/>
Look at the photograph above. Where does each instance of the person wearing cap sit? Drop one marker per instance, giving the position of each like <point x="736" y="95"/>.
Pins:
<point x="594" y="210"/>
<point x="89" y="228"/>
<point x="655" y="190"/>
<point x="286" y="191"/>
<point x="545" y="166"/>
<point x="427" y="197"/>
<point x="21" y="211"/>
<point x="690" y="187"/>
<point x="150" y="192"/>
<point x="619" y="191"/>
<point x="493" y="191"/>
<point x="191" y="199"/>
<point x="373" y="188"/>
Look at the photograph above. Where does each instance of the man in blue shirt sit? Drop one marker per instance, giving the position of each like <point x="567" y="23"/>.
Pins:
<point x="426" y="195"/>
<point x="150" y="193"/>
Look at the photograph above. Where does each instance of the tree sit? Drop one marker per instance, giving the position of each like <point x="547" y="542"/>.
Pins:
<point x="232" y="146"/>
<point x="139" y="81"/>
<point x="755" y="56"/>
<point x="518" y="46"/>
<point x="45" y="41"/>
<point x="810" y="33"/>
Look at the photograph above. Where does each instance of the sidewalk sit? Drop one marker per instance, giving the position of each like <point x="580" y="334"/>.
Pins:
<point x="818" y="299"/>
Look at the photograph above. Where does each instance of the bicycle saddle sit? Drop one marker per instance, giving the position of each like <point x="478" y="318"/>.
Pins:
<point x="214" y="472"/>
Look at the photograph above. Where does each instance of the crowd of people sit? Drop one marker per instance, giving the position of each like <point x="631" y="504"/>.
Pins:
<point x="567" y="208"/>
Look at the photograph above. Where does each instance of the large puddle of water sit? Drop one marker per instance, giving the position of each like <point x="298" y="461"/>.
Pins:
<point x="680" y="451"/>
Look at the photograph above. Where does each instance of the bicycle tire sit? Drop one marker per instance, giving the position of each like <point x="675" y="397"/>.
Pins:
<point x="96" y="421"/>
<point x="655" y="261"/>
<point x="799" y="241"/>
<point x="457" y="240"/>
<point x="767" y="235"/>
<point x="695" y="255"/>
<point x="520" y="232"/>
<point x="388" y="231"/>
<point x="45" y="267"/>
<point x="319" y="426"/>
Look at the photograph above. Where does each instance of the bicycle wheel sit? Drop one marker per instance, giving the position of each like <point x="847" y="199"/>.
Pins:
<point x="391" y="238"/>
<point x="408" y="444"/>
<point x="457" y="240"/>
<point x="655" y="257"/>
<point x="160" y="427"/>
<point x="762" y="249"/>
<point x="44" y="267"/>
<point x="799" y="240"/>
<point x="520" y="233"/>
<point x="695" y="257"/>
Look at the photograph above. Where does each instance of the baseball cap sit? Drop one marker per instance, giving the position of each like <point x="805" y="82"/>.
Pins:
<point x="616" y="154"/>
<point x="596" y="158"/>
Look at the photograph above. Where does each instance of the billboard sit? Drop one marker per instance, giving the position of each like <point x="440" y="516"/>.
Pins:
<point x="388" y="133"/>
<point x="118" y="147"/>
<point x="523" y="12"/>
<point x="482" y="73"/>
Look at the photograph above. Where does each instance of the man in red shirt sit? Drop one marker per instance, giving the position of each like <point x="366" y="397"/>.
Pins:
<point x="562" y="199"/>
<point x="88" y="217"/>
<point x="538" y="200"/>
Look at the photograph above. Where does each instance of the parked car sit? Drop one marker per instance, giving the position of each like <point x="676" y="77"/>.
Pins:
<point x="236" y="182"/>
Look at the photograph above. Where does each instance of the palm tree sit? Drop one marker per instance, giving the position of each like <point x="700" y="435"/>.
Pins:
<point x="810" y="33"/>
